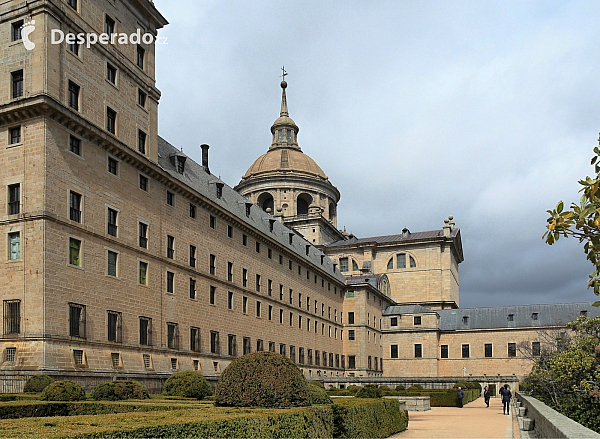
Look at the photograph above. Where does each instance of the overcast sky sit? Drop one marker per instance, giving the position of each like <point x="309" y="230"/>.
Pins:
<point x="417" y="110"/>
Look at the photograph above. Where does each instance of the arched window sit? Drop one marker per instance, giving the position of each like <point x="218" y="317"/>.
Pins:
<point x="302" y="203"/>
<point x="265" y="201"/>
<point x="401" y="262"/>
<point x="390" y="265"/>
<point x="331" y="211"/>
<point x="354" y="265"/>
<point x="413" y="264"/>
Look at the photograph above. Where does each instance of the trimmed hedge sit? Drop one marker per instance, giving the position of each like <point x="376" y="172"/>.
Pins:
<point x="189" y="384"/>
<point x="37" y="383"/>
<point x="449" y="398"/>
<point x="369" y="391"/>
<point x="318" y="395"/>
<point x="368" y="418"/>
<point x="262" y="379"/>
<point x="63" y="391"/>
<point x="119" y="391"/>
<point x="50" y="409"/>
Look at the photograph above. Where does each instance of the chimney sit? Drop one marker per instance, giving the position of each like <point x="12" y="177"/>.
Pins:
<point x="447" y="227"/>
<point x="205" y="157"/>
<point x="452" y="223"/>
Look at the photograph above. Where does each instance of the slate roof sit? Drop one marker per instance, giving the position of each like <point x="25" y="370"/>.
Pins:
<point x="391" y="239"/>
<point x="372" y="279"/>
<point x="406" y="309"/>
<point x="204" y="183"/>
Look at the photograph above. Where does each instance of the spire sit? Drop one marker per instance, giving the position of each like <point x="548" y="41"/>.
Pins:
<point x="284" y="130"/>
<point x="284" y="108"/>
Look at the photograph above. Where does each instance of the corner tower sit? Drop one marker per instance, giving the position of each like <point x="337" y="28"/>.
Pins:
<point x="290" y="185"/>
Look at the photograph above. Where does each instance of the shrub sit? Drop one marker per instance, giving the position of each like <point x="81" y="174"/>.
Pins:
<point x="400" y="387"/>
<point x="37" y="383"/>
<point x="318" y="395"/>
<point x="416" y="387"/>
<point x="63" y="391"/>
<point x="355" y="418"/>
<point x="119" y="390"/>
<point x="369" y="391"/>
<point x="262" y="379"/>
<point x="189" y="384"/>
<point x="353" y="389"/>
<point x="319" y="384"/>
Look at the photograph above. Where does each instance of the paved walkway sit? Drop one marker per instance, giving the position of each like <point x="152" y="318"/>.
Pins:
<point x="474" y="420"/>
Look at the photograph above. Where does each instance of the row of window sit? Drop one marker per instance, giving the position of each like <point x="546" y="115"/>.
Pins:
<point x="465" y="350"/>
<point x="416" y="321"/>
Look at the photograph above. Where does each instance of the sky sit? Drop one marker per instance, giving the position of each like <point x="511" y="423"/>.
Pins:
<point x="416" y="110"/>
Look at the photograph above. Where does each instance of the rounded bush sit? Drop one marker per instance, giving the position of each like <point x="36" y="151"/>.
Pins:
<point x="416" y="387"/>
<point x="318" y="395"/>
<point x="63" y="391"/>
<point x="353" y="389"/>
<point x="37" y="383"/>
<point x="189" y="384"/>
<point x="262" y="379"/>
<point x="119" y="390"/>
<point x="369" y="391"/>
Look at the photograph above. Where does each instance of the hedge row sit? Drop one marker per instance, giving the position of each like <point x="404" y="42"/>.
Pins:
<point x="50" y="409"/>
<point x="449" y="399"/>
<point x="368" y="418"/>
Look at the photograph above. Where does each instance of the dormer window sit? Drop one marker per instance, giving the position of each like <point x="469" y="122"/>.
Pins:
<point x="220" y="190"/>
<point x="280" y="136"/>
<point x="248" y="206"/>
<point x="289" y="136"/>
<point x="180" y="163"/>
<point x="583" y="312"/>
<point x="465" y="320"/>
<point x="534" y="316"/>
<point x="511" y="318"/>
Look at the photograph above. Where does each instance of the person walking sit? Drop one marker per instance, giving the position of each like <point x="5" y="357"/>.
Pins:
<point x="506" y="395"/>
<point x="486" y="396"/>
<point x="460" y="395"/>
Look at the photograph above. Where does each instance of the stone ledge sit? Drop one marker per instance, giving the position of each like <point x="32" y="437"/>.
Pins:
<point x="413" y="403"/>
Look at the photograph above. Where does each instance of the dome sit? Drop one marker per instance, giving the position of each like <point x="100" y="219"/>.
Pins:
<point x="284" y="160"/>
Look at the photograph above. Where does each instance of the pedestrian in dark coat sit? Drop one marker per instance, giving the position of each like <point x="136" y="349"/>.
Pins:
<point x="506" y="395"/>
<point x="460" y="395"/>
<point x="486" y="395"/>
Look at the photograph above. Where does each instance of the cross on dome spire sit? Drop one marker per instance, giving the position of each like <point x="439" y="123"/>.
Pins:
<point x="284" y="108"/>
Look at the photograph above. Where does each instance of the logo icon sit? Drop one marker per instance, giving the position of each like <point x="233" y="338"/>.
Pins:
<point x="26" y="30"/>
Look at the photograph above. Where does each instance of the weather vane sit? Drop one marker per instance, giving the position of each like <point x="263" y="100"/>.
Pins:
<point x="284" y="73"/>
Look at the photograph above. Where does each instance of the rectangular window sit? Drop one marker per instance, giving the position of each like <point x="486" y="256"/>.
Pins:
<point x="214" y="342"/>
<point x="293" y="353"/>
<point x="192" y="256"/>
<point x="269" y="287"/>
<point x="170" y="198"/>
<point x="417" y="320"/>
<point x="143" y="269"/>
<point x="14" y="246"/>
<point x="258" y="283"/>
<point x="301" y="355"/>
<point x="143" y="183"/>
<point x="192" y="210"/>
<point x="109" y="25"/>
<point x="291" y="296"/>
<point x="194" y="339"/>
<point x="113" y="166"/>
<point x="74" y="206"/>
<point x="76" y="320"/>
<point x="258" y="310"/>
<point x="147" y="361"/>
<point x="230" y="271"/>
<point x="488" y="350"/>
<point x="143" y="235"/>
<point x="270" y="312"/>
<point x="72" y="3"/>
<point x="512" y="349"/>
<point x="145" y="331"/>
<point x="270" y="253"/>
<point x="317" y="358"/>
<point x="16" y="28"/>
<point x="170" y="282"/>
<point x="351" y="362"/>
<point x="12" y="317"/>
<point x="291" y="319"/>
<point x="536" y="350"/>
<point x="114" y="326"/>
<point x="244" y="277"/>
<point x="172" y="335"/>
<point x="212" y="222"/>
<point x="112" y="259"/>
<point x="140" y="57"/>
<point x="280" y="292"/>
<point x="343" y="265"/>
<point x="394" y="351"/>
<point x="111" y="220"/>
<point x="111" y="73"/>
<point x="192" y="288"/>
<point x="257" y="247"/>
<point x="142" y="98"/>
<point x="75" y="252"/>
<point x="78" y="357"/>
<point x="74" y="95"/>
<point x="281" y="316"/>
<point x="212" y="295"/>
<point x="247" y="348"/>
<point x="418" y="352"/>
<point x="229" y="231"/>
<point x="14" y="135"/>
<point x="170" y="247"/>
<point x="351" y="335"/>
<point x="281" y="349"/>
<point x="14" y="199"/>
<point x="17" y="84"/>
<point x="230" y="300"/>
<point x="244" y="240"/>
<point x="111" y="120"/>
<point x="142" y="141"/>
<point x="245" y="305"/>
<point x="231" y="346"/>
<point x="350" y="317"/>
<point x="213" y="268"/>
<point x="465" y="351"/>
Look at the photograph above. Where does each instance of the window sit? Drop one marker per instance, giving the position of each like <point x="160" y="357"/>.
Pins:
<point x="280" y="292"/>
<point x="14" y="199"/>
<point x="74" y="206"/>
<point x="270" y="253"/>
<point x="417" y="320"/>
<point x="213" y="269"/>
<point x="12" y="317"/>
<point x="212" y="295"/>
<point x="109" y="25"/>
<point x="111" y="120"/>
<point x="281" y="349"/>
<point x="351" y="362"/>
<point x="192" y="256"/>
<point x="111" y="220"/>
<point x="231" y="345"/>
<point x="269" y="287"/>
<point x="113" y="166"/>
<point x="401" y="260"/>
<point x="17" y="84"/>
<point x="72" y="3"/>
<point x="192" y="288"/>
<point x="244" y="240"/>
<point x="172" y="336"/>
<point x="14" y="135"/>
<point x="270" y="312"/>
<point x="74" y="95"/>
<point x="536" y="350"/>
<point x="112" y="259"/>
<point x="281" y="316"/>
<point x="142" y="98"/>
<point x="194" y="339"/>
<point x="170" y="247"/>
<point x="192" y="210"/>
<point x="511" y="318"/>
<point x="75" y="252"/>
<point x="583" y="312"/>
<point x="293" y="353"/>
<point x="444" y="351"/>
<point x="212" y="222"/>
<point x="257" y="247"/>
<point x="74" y="47"/>
<point x="291" y="319"/>
<point x="351" y="334"/>
<point x="16" y="28"/>
<point x="351" y="317"/>
<point x="245" y="305"/>
<point x="230" y="271"/>
<point x="280" y="260"/>
<point x="143" y="273"/>
<point x="115" y="358"/>
<point x="291" y="296"/>
<point x="301" y="355"/>
<point x="219" y="187"/>
<point x="173" y="363"/>
<point x="394" y="351"/>
<point x="390" y="264"/>
<point x="76" y="320"/>
<point x="418" y="351"/>
<point x="214" y="342"/>
<point x="78" y="357"/>
<point x="14" y="246"/>
<point x="229" y="231"/>
<point x="534" y="316"/>
<point x="229" y="300"/>
<point x="258" y="283"/>
<point x="143" y="235"/>
<point x="140" y="56"/>
<point x="465" y="320"/>
<point x="394" y="321"/>
<point x="512" y="349"/>
<point x="147" y="361"/>
<point x="145" y="331"/>
<point x="111" y="73"/>
<point x="465" y="351"/>
<point x="142" y="142"/>
<point x="114" y="326"/>
<point x="247" y="348"/>
<point x="170" y="282"/>
<point x="244" y="277"/>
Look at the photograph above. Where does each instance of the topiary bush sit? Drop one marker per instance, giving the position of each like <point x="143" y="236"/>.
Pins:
<point x="369" y="391"/>
<point x="416" y="387"/>
<point x="318" y="395"/>
<point x="189" y="384"/>
<point x="37" y="383"/>
<point x="63" y="391"/>
<point x="262" y="379"/>
<point x="119" y="390"/>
